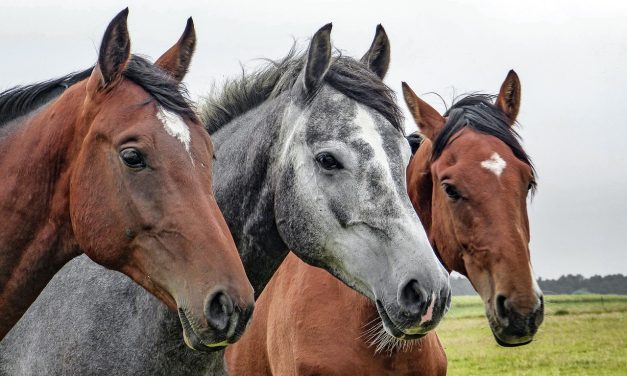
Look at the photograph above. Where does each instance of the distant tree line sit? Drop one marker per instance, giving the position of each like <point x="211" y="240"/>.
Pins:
<point x="578" y="284"/>
<point x="566" y="284"/>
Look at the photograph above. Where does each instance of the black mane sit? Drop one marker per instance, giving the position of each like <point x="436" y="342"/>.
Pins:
<point x="479" y="113"/>
<point x="349" y="76"/>
<point x="170" y="94"/>
<point x="20" y="100"/>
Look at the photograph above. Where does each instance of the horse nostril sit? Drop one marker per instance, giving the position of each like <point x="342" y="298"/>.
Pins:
<point x="501" y="306"/>
<point x="218" y="310"/>
<point x="412" y="298"/>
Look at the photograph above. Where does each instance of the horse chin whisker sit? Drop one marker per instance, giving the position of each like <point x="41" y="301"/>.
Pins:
<point x="374" y="333"/>
<point x="374" y="320"/>
<point x="376" y="336"/>
<point x="369" y="331"/>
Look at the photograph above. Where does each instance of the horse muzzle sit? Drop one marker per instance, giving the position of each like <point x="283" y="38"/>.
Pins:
<point x="512" y="328"/>
<point x="417" y="311"/>
<point x="225" y="324"/>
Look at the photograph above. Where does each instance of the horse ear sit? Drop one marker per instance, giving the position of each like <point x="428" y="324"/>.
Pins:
<point x="427" y="118"/>
<point x="115" y="51"/>
<point x="318" y="58"/>
<point x="176" y="60"/>
<point x="509" y="96"/>
<point x="378" y="56"/>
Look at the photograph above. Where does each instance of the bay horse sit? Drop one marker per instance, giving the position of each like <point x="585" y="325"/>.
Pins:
<point x="113" y="162"/>
<point x="309" y="149"/>
<point x="468" y="180"/>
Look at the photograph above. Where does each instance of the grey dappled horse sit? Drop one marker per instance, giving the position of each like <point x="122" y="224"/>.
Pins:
<point x="310" y="156"/>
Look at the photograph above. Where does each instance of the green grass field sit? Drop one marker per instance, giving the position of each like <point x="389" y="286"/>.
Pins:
<point x="581" y="335"/>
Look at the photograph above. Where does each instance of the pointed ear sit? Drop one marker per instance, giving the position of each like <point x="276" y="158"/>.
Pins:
<point x="115" y="51"/>
<point x="378" y="56"/>
<point x="318" y="58"/>
<point x="176" y="60"/>
<point x="509" y="96"/>
<point x="428" y="120"/>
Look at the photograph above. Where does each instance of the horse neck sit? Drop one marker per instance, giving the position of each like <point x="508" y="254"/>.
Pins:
<point x="244" y="189"/>
<point x="36" y="236"/>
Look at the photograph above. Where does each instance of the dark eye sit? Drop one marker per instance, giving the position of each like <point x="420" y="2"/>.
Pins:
<point x="328" y="162"/>
<point x="451" y="191"/>
<point x="133" y="158"/>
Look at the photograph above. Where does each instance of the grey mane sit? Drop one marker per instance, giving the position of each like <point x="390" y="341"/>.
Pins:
<point x="347" y="75"/>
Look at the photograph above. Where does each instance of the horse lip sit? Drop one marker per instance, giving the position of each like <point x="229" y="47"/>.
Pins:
<point x="512" y="341"/>
<point x="391" y="327"/>
<point x="508" y="344"/>
<point x="193" y="340"/>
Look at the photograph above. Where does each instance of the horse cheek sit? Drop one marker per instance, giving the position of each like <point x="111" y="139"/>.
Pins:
<point x="96" y="218"/>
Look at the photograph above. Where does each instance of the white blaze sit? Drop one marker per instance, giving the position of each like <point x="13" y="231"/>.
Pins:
<point x="414" y="229"/>
<point x="176" y="127"/>
<point x="371" y="134"/>
<point x="496" y="164"/>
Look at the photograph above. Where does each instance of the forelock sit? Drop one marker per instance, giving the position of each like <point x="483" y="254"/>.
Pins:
<point x="350" y="77"/>
<point x="479" y="113"/>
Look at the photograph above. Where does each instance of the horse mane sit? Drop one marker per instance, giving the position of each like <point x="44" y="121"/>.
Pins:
<point x="21" y="100"/>
<point x="415" y="140"/>
<point x="347" y="75"/>
<point x="479" y="113"/>
<point x="168" y="92"/>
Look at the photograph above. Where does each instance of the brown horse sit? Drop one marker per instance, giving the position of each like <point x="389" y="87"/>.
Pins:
<point x="468" y="181"/>
<point x="118" y="167"/>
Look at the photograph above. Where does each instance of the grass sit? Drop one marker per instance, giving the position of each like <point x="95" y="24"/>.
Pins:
<point x="581" y="335"/>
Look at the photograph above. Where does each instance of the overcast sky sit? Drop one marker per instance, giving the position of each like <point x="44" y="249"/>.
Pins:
<point x="571" y="57"/>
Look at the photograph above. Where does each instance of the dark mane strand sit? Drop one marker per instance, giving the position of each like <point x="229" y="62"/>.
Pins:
<point x="20" y="100"/>
<point x="348" y="76"/>
<point x="479" y="113"/>
<point x="170" y="94"/>
<point x="415" y="140"/>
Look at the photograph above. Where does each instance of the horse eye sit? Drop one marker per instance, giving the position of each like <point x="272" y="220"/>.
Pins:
<point x="328" y="162"/>
<point x="451" y="191"/>
<point x="133" y="158"/>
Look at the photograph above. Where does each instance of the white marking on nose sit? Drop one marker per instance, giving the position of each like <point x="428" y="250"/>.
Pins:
<point x="496" y="164"/>
<point x="429" y="315"/>
<point x="175" y="127"/>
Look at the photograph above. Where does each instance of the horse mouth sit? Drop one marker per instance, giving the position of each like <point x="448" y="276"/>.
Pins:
<point x="508" y="340"/>
<point x="392" y="328"/>
<point x="193" y="340"/>
<point x="523" y="341"/>
<point x="505" y="337"/>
